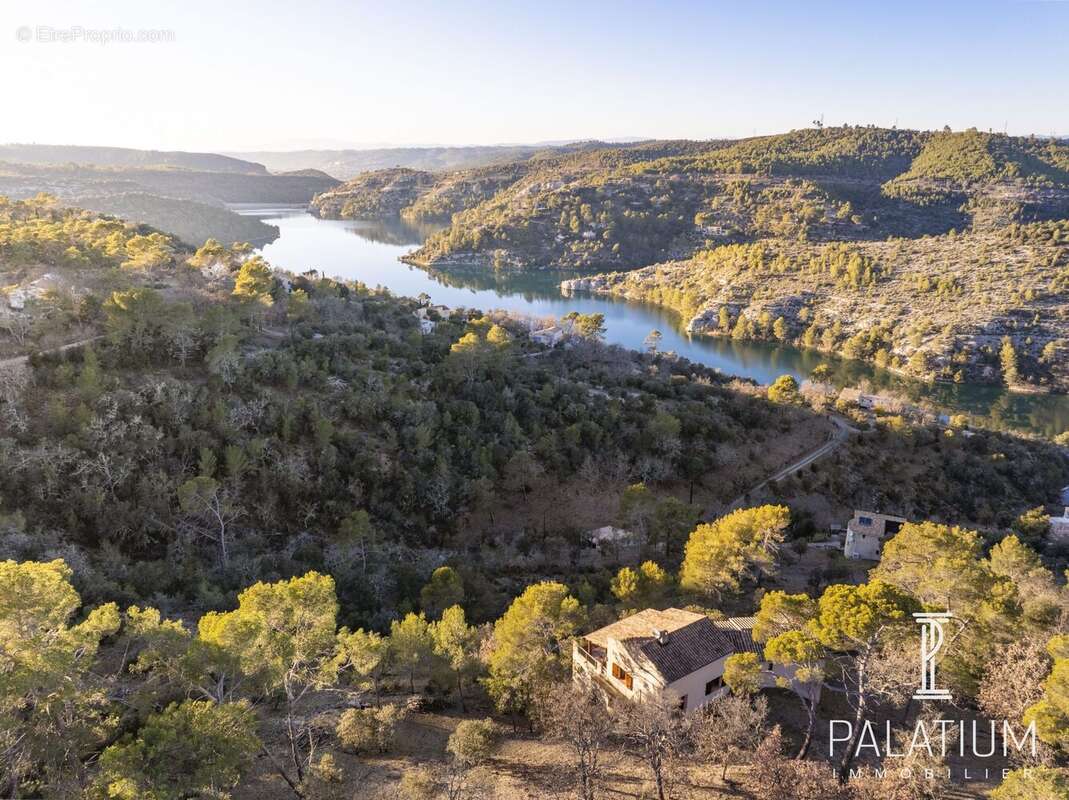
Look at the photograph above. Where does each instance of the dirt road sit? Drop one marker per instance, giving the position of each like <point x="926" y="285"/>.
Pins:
<point x="842" y="433"/>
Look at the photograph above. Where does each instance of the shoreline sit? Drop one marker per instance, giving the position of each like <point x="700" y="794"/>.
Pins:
<point x="576" y="285"/>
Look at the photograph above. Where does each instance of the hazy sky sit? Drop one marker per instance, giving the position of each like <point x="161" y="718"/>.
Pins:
<point x="266" y="74"/>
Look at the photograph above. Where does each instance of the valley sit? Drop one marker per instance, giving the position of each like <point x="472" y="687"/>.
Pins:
<point x="369" y="251"/>
<point x="855" y="240"/>
<point x="373" y="446"/>
<point x="534" y="401"/>
<point x="192" y="429"/>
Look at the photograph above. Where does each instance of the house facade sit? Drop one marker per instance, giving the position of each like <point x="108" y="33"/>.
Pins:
<point x="676" y="651"/>
<point x="550" y="336"/>
<point x="866" y="532"/>
<point x="1059" y="526"/>
<point x="426" y="317"/>
<point x="615" y="545"/>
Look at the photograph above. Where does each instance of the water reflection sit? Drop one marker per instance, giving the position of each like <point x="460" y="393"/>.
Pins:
<point x="368" y="251"/>
<point x="394" y="232"/>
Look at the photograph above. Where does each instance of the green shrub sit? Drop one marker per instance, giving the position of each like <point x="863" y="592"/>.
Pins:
<point x="324" y="780"/>
<point x="472" y="741"/>
<point x="418" y="784"/>
<point x="367" y="730"/>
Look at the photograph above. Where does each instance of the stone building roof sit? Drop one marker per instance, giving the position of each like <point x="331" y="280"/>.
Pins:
<point x="673" y="641"/>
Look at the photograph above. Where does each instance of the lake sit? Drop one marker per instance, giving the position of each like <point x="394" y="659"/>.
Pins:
<point x="367" y="251"/>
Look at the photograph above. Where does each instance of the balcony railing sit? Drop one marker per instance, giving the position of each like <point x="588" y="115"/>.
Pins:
<point x="589" y="653"/>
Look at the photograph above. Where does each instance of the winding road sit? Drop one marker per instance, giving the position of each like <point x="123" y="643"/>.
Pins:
<point x="842" y="433"/>
<point x="18" y="361"/>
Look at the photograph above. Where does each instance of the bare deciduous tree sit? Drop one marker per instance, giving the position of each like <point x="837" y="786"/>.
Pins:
<point x="1012" y="682"/>
<point x="578" y="716"/>
<point x="18" y="327"/>
<point x="731" y="728"/>
<point x="14" y="378"/>
<point x="1013" y="679"/>
<point x="918" y="775"/>
<point x="210" y="511"/>
<point x="657" y="730"/>
<point x="774" y="776"/>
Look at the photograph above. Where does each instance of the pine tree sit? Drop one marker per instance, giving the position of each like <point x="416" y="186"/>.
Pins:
<point x="1008" y="359"/>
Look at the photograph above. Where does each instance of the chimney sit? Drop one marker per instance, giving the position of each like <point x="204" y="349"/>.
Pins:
<point x="660" y="636"/>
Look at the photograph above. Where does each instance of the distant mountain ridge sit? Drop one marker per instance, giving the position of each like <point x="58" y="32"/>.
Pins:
<point x="348" y="163"/>
<point x="127" y="158"/>
<point x="181" y="193"/>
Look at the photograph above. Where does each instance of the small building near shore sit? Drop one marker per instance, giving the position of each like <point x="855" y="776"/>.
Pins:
<point x="548" y="336"/>
<point x="426" y="324"/>
<point x="1059" y="527"/>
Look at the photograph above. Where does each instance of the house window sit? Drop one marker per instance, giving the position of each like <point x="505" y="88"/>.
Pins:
<point x="621" y="675"/>
<point x="683" y="703"/>
<point x="865" y="520"/>
<point x="714" y="685"/>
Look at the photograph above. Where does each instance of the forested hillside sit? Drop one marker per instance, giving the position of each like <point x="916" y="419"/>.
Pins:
<point x="307" y="415"/>
<point x="986" y="306"/>
<point x="941" y="255"/>
<point x="424" y="196"/>
<point x="192" y="222"/>
<point x="629" y="207"/>
<point x="345" y="500"/>
<point x="289" y="406"/>
<point x="183" y="193"/>
<point x="202" y="186"/>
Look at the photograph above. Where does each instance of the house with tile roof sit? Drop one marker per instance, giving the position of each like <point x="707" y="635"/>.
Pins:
<point x="676" y="651"/>
<point x="1059" y="526"/>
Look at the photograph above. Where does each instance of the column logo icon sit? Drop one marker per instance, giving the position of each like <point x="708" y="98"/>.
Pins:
<point x="932" y="640"/>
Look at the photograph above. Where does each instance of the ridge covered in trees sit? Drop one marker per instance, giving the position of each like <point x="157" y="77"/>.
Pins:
<point x="629" y="207"/>
<point x="936" y="254"/>
<point x="981" y="306"/>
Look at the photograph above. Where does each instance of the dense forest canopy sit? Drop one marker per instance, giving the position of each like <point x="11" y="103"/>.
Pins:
<point x="288" y="404"/>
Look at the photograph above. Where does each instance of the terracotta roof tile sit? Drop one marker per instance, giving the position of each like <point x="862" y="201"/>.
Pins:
<point x="693" y="640"/>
